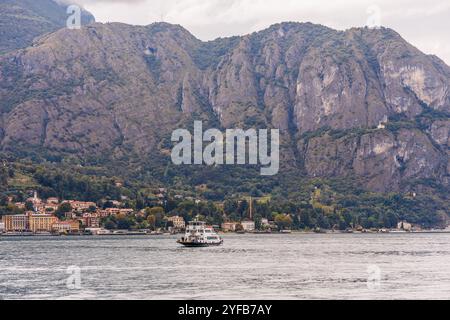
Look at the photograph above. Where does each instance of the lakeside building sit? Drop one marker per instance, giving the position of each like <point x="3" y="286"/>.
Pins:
<point x="71" y="226"/>
<point x="178" y="222"/>
<point x="404" y="226"/>
<point x="265" y="222"/>
<point x="16" y="223"/>
<point x="97" y="231"/>
<point x="29" y="222"/>
<point x="248" y="225"/>
<point x="90" y="220"/>
<point x="229" y="226"/>
<point x="41" y="222"/>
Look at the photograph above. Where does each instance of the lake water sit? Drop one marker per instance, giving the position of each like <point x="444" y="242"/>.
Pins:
<point x="296" y="266"/>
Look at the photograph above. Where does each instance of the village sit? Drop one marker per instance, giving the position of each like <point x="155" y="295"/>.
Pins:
<point x="72" y="217"/>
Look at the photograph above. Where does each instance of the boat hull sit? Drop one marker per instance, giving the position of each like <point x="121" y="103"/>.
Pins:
<point x="199" y="244"/>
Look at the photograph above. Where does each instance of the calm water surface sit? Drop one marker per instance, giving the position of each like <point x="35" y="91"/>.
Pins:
<point x="296" y="266"/>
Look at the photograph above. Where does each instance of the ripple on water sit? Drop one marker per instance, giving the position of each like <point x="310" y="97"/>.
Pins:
<point x="246" y="266"/>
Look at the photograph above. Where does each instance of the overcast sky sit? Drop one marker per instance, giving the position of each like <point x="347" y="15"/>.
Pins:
<point x="424" y="23"/>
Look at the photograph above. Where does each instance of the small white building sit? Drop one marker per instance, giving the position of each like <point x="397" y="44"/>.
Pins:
<point x="404" y="226"/>
<point x="178" y="222"/>
<point x="53" y="200"/>
<point x="382" y="124"/>
<point x="98" y="231"/>
<point x="265" y="222"/>
<point x="248" y="225"/>
<point x="229" y="226"/>
<point x="2" y="227"/>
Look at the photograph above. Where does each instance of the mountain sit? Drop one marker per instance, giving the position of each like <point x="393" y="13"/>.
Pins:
<point x="361" y="103"/>
<point x="23" y="20"/>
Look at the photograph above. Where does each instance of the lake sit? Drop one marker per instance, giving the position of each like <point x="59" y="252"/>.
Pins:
<point x="289" y="266"/>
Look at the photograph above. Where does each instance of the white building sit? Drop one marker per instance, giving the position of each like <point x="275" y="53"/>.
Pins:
<point x="404" y="226"/>
<point x="80" y="205"/>
<point x="98" y="231"/>
<point x="248" y="225"/>
<point x="178" y="222"/>
<point x="229" y="226"/>
<point x="53" y="201"/>
<point x="2" y="227"/>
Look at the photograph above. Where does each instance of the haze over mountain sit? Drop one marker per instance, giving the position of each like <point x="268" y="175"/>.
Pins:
<point x="23" y="20"/>
<point x="116" y="92"/>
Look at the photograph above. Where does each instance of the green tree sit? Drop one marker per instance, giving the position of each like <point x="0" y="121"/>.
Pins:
<point x="3" y="177"/>
<point x="283" y="221"/>
<point x="110" y="225"/>
<point x="64" y="208"/>
<point x="243" y="208"/>
<point x="151" y="220"/>
<point x="140" y="201"/>
<point x="154" y="211"/>
<point x="29" y="206"/>
<point x="3" y="200"/>
<point x="258" y="222"/>
<point x="230" y="207"/>
<point x="124" y="223"/>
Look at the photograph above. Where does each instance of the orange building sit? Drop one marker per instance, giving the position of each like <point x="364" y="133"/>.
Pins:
<point x="91" y="220"/>
<point x="41" y="222"/>
<point x="16" y="223"/>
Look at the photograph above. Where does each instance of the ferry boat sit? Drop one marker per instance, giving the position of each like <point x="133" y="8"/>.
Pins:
<point x="199" y="235"/>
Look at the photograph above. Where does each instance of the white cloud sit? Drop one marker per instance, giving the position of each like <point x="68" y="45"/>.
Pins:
<point x="425" y="24"/>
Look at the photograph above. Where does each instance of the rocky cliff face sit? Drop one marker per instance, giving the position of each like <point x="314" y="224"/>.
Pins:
<point x="361" y="102"/>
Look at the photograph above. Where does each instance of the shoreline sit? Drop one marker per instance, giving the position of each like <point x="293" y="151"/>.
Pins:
<point x="140" y="234"/>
